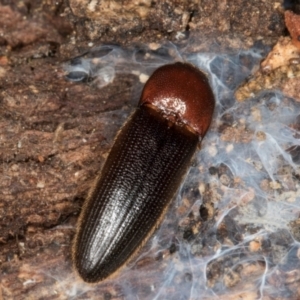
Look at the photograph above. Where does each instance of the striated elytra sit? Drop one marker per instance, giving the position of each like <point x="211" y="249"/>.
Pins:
<point x="143" y="170"/>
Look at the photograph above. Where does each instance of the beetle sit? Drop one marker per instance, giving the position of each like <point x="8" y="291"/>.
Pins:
<point x="145" y="167"/>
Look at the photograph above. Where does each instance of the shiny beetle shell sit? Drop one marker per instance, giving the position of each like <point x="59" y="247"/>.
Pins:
<point x="143" y="171"/>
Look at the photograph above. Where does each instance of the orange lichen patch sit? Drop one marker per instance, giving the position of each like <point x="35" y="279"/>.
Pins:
<point x="255" y="245"/>
<point x="282" y="54"/>
<point x="292" y="22"/>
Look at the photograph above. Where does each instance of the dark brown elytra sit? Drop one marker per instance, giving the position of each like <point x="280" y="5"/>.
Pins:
<point x="143" y="171"/>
